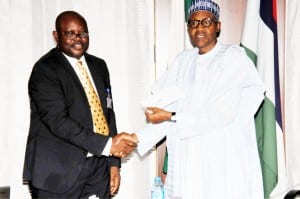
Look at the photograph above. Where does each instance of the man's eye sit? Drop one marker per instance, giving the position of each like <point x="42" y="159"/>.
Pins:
<point x="206" y="22"/>
<point x="193" y="23"/>
<point x="69" y="33"/>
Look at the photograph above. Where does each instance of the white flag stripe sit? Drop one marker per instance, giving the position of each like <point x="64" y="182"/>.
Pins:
<point x="265" y="59"/>
<point x="250" y="28"/>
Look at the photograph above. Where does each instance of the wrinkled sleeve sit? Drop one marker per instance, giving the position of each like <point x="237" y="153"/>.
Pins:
<point x="237" y="99"/>
<point x="236" y="105"/>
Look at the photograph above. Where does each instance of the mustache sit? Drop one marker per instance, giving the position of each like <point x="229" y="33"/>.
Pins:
<point x="78" y="43"/>
<point x="202" y="33"/>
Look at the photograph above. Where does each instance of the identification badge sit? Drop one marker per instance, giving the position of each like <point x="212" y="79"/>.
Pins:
<point x="108" y="99"/>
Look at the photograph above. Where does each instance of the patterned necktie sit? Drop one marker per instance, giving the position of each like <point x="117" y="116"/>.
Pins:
<point x="99" y="121"/>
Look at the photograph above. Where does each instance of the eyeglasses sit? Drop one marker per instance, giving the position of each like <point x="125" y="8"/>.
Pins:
<point x="73" y="35"/>
<point x="206" y="22"/>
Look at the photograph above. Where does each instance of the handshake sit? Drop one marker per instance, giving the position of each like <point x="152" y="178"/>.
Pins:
<point x="123" y="144"/>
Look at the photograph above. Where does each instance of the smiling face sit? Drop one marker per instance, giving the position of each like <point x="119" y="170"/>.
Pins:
<point x="203" y="37"/>
<point x="71" y="23"/>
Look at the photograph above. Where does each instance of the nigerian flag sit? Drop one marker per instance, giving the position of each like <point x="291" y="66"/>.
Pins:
<point x="259" y="38"/>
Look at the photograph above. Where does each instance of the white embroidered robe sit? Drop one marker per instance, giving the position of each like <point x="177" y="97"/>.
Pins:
<point x="212" y="146"/>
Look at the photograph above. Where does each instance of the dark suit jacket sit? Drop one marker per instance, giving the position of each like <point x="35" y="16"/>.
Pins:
<point x="61" y="130"/>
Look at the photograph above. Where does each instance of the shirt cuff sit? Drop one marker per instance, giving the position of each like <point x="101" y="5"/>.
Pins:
<point x="107" y="147"/>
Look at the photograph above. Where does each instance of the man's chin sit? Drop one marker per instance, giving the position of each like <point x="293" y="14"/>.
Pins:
<point x="77" y="53"/>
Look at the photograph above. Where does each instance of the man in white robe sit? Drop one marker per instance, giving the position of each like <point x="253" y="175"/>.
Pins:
<point x="211" y="140"/>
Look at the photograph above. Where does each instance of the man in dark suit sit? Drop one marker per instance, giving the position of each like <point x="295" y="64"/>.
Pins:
<point x="66" y="156"/>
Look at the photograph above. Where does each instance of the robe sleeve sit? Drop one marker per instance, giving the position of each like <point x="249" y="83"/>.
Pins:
<point x="236" y="98"/>
<point x="237" y="105"/>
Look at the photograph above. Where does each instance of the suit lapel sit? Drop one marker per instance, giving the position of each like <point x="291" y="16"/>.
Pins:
<point x="64" y="62"/>
<point x="96" y="73"/>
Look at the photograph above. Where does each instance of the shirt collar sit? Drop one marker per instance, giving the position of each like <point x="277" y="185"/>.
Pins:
<point x="73" y="60"/>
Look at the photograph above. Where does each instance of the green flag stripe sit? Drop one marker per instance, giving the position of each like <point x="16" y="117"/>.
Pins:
<point x="265" y="124"/>
<point x="165" y="165"/>
<point x="250" y="54"/>
<point x="187" y="4"/>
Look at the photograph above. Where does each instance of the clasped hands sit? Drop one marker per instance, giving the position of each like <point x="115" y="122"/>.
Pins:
<point x="123" y="144"/>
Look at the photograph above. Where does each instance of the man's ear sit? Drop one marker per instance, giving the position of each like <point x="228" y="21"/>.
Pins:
<point x="219" y="27"/>
<point x="55" y="35"/>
